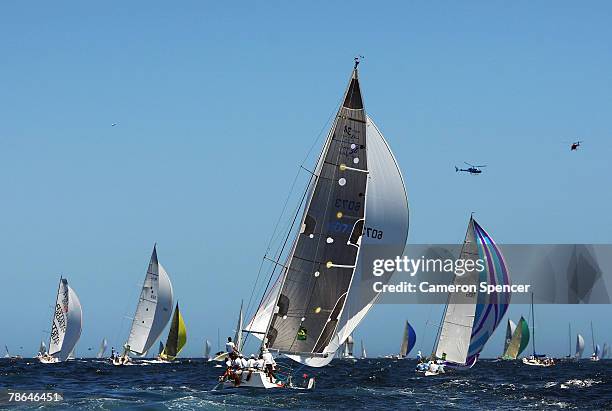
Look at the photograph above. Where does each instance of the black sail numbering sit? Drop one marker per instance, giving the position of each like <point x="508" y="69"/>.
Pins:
<point x="320" y="267"/>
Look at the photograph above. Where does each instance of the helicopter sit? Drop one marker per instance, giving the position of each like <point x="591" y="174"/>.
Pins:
<point x="472" y="169"/>
<point x="575" y="145"/>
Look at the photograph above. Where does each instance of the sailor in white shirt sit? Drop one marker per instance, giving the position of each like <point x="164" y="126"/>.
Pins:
<point x="237" y="363"/>
<point x="252" y="362"/>
<point x="243" y="362"/>
<point x="269" y="364"/>
<point x="230" y="347"/>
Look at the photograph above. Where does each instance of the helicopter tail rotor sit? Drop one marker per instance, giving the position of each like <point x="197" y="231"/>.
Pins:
<point x="456" y="169"/>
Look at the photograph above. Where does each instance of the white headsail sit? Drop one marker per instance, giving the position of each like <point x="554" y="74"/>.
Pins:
<point x="456" y="332"/>
<point x="154" y="308"/>
<point x="42" y="348"/>
<point x="207" y="348"/>
<point x="67" y="322"/>
<point x="102" y="349"/>
<point x="579" y="346"/>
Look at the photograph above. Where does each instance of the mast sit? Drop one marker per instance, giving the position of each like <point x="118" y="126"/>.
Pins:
<point x="570" y="340"/>
<point x="533" y="327"/>
<point x="592" y="336"/>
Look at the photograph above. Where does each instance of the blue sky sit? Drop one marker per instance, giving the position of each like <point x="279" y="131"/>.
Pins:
<point x="217" y="105"/>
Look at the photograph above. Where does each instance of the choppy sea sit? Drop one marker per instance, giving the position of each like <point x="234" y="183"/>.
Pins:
<point x="345" y="384"/>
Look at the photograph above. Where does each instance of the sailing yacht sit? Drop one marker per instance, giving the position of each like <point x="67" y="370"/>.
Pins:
<point x="152" y="312"/>
<point x="579" y="346"/>
<point x="177" y="337"/>
<point x="538" y="360"/>
<point x="347" y="350"/>
<point x="518" y="340"/>
<point x="102" y="350"/>
<point x="471" y="318"/>
<point x="207" y="350"/>
<point x="596" y="348"/>
<point x="408" y="341"/>
<point x="355" y="197"/>
<point x="364" y="354"/>
<point x="66" y="325"/>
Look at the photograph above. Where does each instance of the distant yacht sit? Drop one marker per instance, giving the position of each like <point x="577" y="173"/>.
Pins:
<point x="65" y="326"/>
<point x="152" y="313"/>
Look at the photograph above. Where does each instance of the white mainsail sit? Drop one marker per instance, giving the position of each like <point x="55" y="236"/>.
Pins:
<point x="363" y="351"/>
<point x="579" y="346"/>
<point x="154" y="308"/>
<point x="456" y="332"/>
<point x="67" y="322"/>
<point x="102" y="349"/>
<point x="207" y="349"/>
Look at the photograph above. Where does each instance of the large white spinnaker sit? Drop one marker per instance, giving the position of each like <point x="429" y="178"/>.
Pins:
<point x="154" y="308"/>
<point x="67" y="322"/>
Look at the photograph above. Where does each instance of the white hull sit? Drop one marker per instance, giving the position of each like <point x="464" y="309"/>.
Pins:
<point x="258" y="379"/>
<point x="48" y="360"/>
<point x="535" y="363"/>
<point x="117" y="361"/>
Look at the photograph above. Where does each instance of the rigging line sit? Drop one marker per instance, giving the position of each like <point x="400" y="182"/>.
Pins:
<point x="271" y="240"/>
<point x="283" y="247"/>
<point x="316" y="139"/>
<point x="333" y="113"/>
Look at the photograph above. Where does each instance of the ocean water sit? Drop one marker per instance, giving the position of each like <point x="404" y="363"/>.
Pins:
<point x="363" y="384"/>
